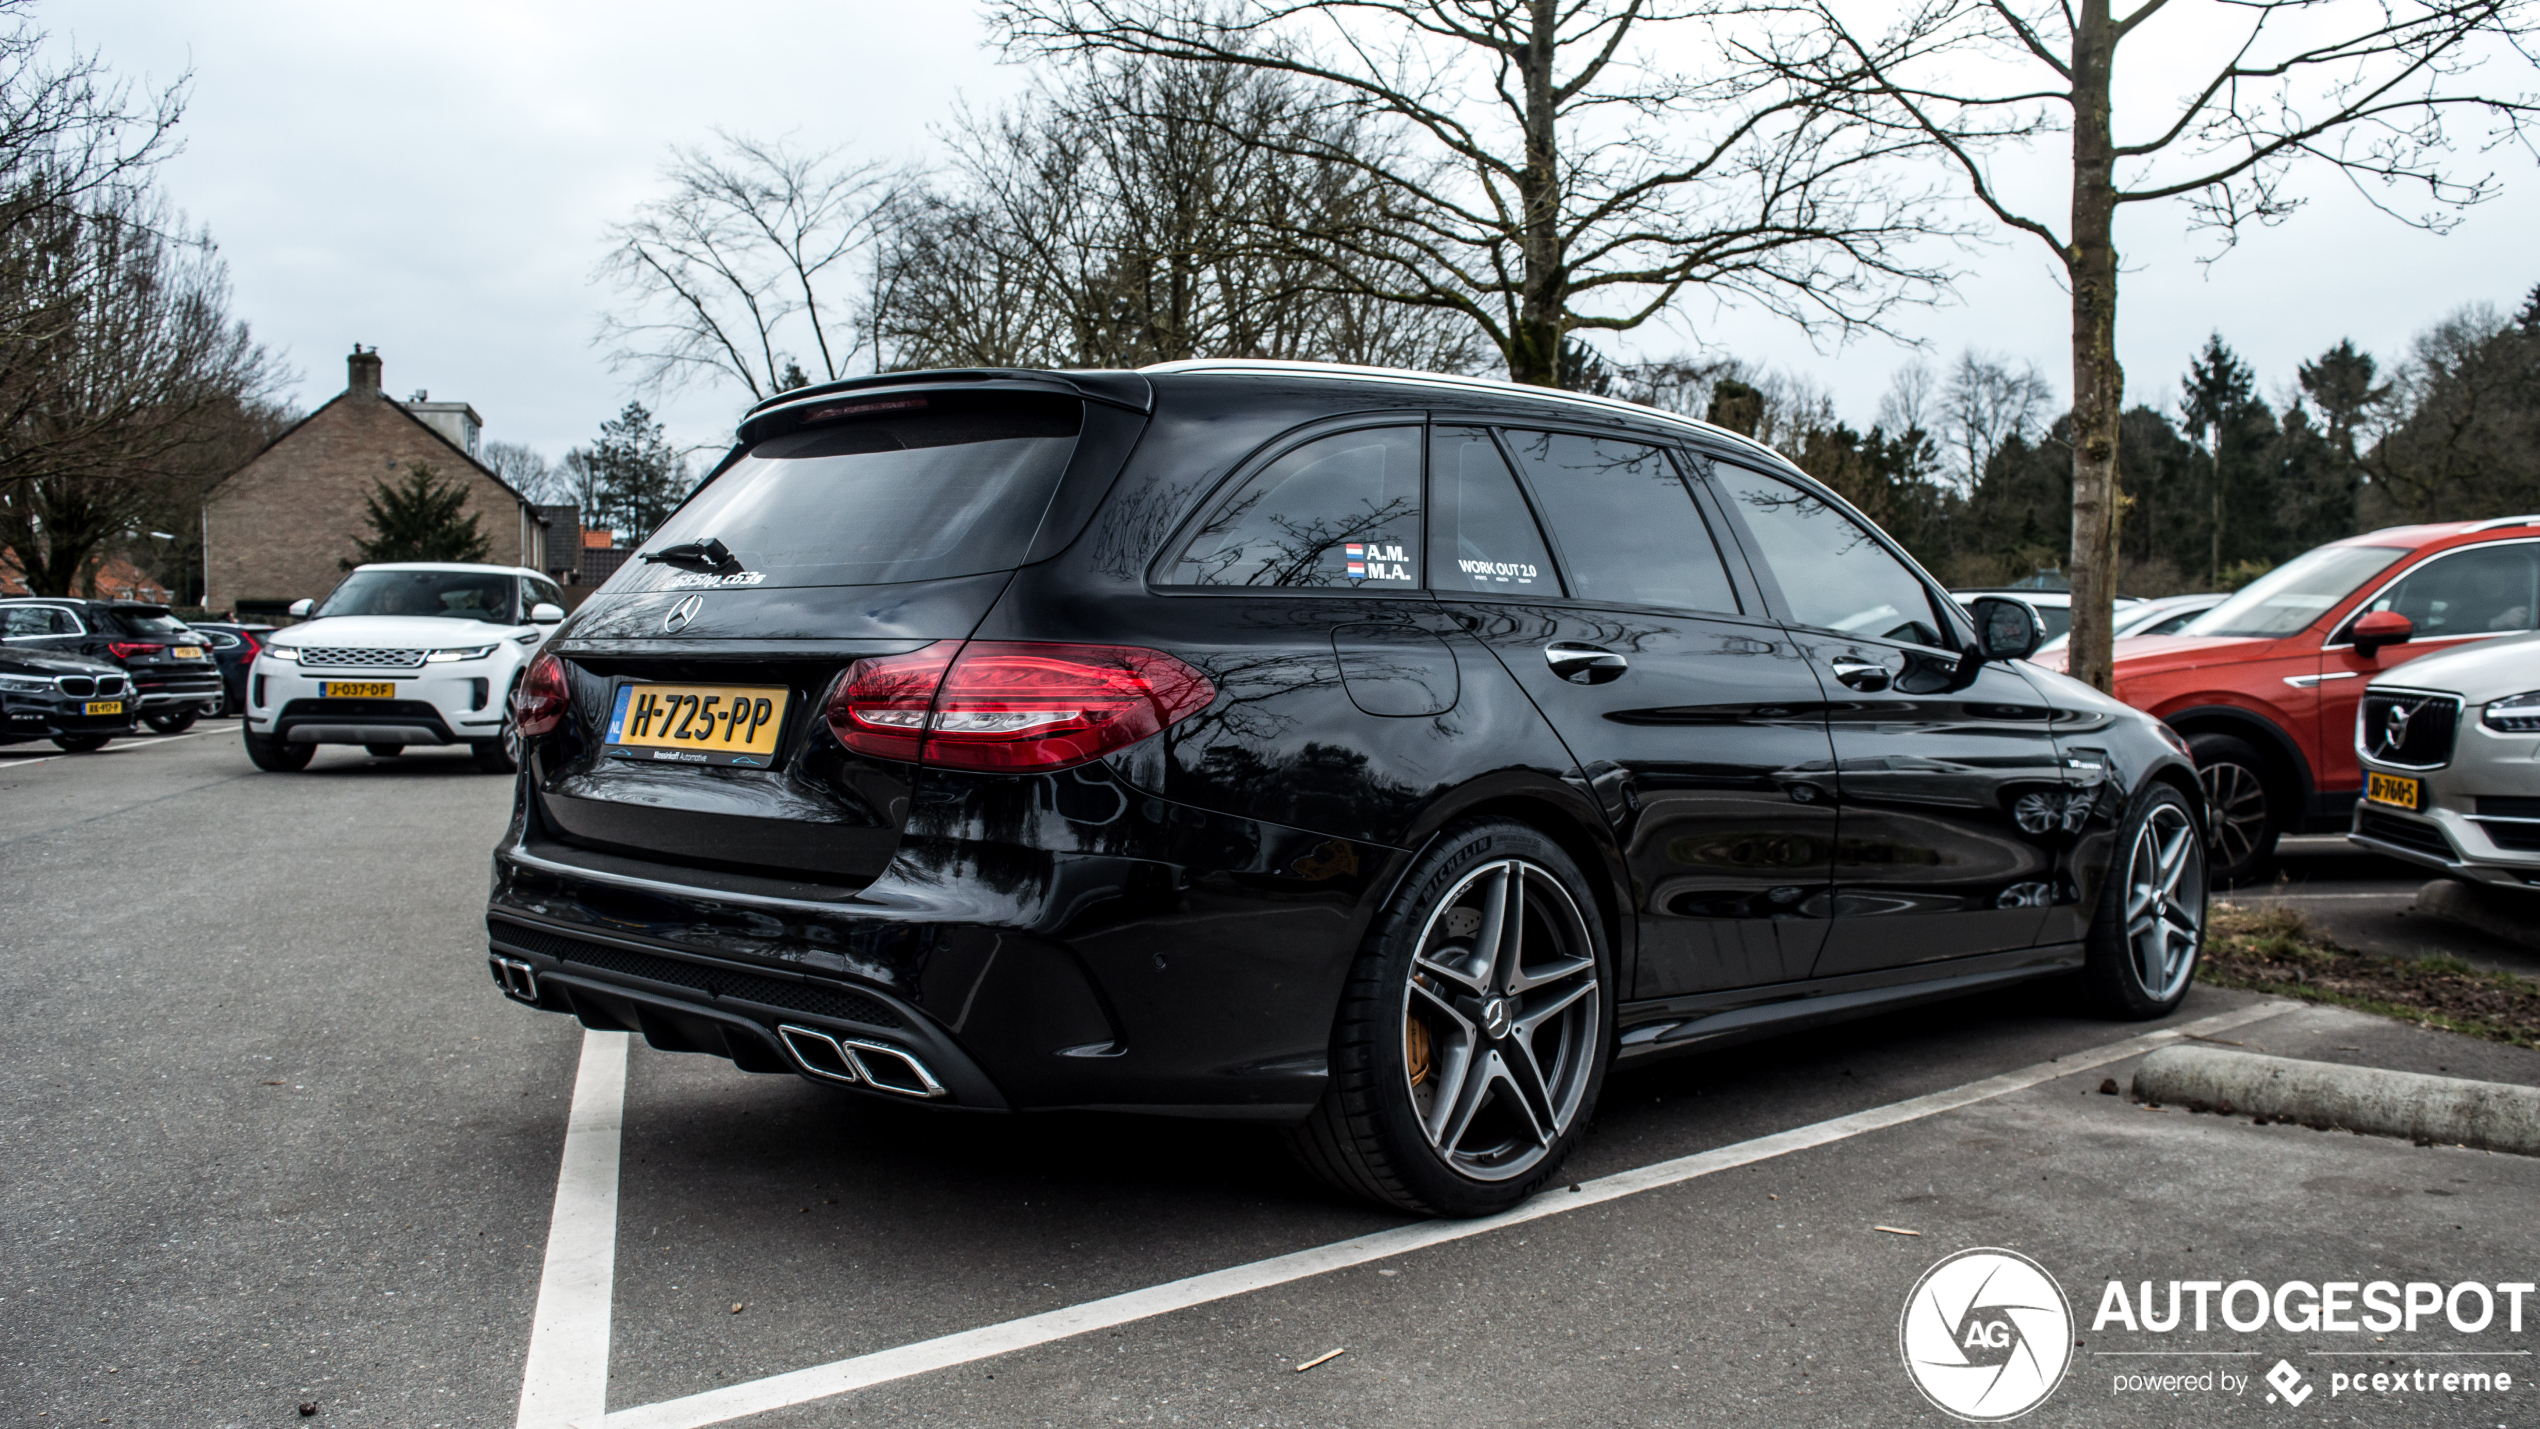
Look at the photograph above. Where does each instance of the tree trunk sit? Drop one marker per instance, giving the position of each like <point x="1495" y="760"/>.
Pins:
<point x="1534" y="339"/>
<point x="2098" y="383"/>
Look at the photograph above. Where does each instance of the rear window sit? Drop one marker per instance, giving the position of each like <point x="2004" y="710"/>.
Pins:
<point x="916" y="488"/>
<point x="149" y="622"/>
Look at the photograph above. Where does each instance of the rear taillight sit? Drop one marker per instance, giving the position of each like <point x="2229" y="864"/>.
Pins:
<point x="132" y="649"/>
<point x="250" y="642"/>
<point x="539" y="704"/>
<point x="1010" y="706"/>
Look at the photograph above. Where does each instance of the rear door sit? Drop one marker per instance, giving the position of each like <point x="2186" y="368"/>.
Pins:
<point x="1950" y="787"/>
<point x="1683" y="704"/>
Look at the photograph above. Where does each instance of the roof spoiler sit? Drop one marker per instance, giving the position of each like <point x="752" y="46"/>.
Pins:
<point x="1118" y="389"/>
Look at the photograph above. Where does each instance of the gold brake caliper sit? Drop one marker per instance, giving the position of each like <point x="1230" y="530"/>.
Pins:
<point x="1415" y="1048"/>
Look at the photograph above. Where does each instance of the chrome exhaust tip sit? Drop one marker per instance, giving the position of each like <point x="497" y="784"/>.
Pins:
<point x="878" y="1065"/>
<point x="517" y="979"/>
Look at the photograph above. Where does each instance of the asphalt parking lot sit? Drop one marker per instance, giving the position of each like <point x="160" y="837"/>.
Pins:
<point x="274" y="1139"/>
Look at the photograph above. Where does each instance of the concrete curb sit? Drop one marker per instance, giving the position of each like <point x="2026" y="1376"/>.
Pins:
<point x="2444" y="1111"/>
<point x="2507" y="915"/>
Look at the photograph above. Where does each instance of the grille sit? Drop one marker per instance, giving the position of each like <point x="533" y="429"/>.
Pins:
<point x="2521" y="838"/>
<point x="2408" y="729"/>
<point x="716" y="982"/>
<point x="80" y="687"/>
<point x="2508" y="806"/>
<point x="2406" y="833"/>
<point x="347" y="658"/>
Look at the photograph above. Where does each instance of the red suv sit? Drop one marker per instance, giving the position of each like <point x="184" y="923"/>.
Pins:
<point x="2264" y="685"/>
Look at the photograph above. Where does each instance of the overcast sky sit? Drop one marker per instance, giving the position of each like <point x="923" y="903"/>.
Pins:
<point x="436" y="181"/>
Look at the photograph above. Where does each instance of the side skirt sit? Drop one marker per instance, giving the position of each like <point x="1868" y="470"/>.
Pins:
<point x="1712" y="1019"/>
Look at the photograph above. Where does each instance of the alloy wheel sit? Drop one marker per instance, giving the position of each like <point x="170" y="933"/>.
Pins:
<point x="2236" y="806"/>
<point x="2165" y="900"/>
<point x="1499" y="1020"/>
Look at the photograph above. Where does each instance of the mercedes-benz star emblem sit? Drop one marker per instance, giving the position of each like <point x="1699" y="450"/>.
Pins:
<point x="1495" y="1017"/>
<point x="681" y="614"/>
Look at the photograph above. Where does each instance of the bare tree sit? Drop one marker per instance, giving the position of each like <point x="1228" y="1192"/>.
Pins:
<point x="748" y="268"/>
<point x="1911" y="402"/>
<point x="1133" y="211"/>
<point x="529" y="473"/>
<point x="2361" y="87"/>
<point x="1562" y="181"/>
<point x="1986" y="402"/>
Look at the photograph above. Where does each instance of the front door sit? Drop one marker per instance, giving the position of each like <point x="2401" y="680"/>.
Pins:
<point x="1684" y="706"/>
<point x="1953" y="802"/>
<point x="2465" y="594"/>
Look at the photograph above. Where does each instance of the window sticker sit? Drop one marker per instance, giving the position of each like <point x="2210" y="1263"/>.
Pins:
<point x="1376" y="561"/>
<point x="1501" y="572"/>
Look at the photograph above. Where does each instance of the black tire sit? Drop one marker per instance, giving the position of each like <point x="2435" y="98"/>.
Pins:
<point x="2149" y="931"/>
<point x="1547" y="999"/>
<point x="173" y="721"/>
<point x="385" y="751"/>
<point x="274" y="756"/>
<point x="82" y="743"/>
<point x="500" y="755"/>
<point x="2240" y="807"/>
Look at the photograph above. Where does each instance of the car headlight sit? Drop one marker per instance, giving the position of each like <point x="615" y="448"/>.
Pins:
<point x="2514" y="714"/>
<point x="287" y="654"/>
<point x="472" y="652"/>
<point x="23" y="685"/>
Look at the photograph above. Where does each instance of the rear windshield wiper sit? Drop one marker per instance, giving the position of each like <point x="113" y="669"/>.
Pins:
<point x="709" y="556"/>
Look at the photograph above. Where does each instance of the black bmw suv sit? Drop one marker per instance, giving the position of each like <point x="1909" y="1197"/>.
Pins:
<point x="174" y="679"/>
<point x="1378" y="754"/>
<point x="78" y="703"/>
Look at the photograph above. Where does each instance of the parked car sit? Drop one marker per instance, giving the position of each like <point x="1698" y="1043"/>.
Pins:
<point x="401" y="653"/>
<point x="174" y="681"/>
<point x="1378" y="754"/>
<point x="72" y="700"/>
<point x="2264" y="686"/>
<point x="2450" y="749"/>
<point x="2055" y="607"/>
<point x="2161" y="615"/>
<point x="234" y="648"/>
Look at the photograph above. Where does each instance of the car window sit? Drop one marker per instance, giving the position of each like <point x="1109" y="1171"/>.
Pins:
<point x="546" y="591"/>
<point x="2170" y="626"/>
<point x="1832" y="571"/>
<point x="1342" y="510"/>
<point x="1481" y="536"/>
<point x="25" y="620"/>
<point x="150" y="622"/>
<point x="2480" y="591"/>
<point x="463" y="595"/>
<point x="2296" y="593"/>
<point x="1628" y="528"/>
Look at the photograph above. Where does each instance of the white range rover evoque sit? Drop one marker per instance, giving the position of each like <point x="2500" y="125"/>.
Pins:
<point x="402" y="653"/>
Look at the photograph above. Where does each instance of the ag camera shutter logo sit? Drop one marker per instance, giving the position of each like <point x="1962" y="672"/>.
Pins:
<point x="1986" y="1334"/>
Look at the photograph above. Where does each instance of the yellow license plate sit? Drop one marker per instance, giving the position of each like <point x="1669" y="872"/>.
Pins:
<point x="697" y="724"/>
<point x="361" y="689"/>
<point x="2390" y="789"/>
<point x="104" y="707"/>
<point x="188" y="652"/>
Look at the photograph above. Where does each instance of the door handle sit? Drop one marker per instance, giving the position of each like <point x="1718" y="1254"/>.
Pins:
<point x="1863" y="675"/>
<point x="1582" y="664"/>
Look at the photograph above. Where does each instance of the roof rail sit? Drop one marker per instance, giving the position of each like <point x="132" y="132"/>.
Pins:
<point x="2503" y="521"/>
<point x="1496" y="385"/>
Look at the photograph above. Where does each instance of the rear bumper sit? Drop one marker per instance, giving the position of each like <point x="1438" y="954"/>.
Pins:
<point x="1171" y="961"/>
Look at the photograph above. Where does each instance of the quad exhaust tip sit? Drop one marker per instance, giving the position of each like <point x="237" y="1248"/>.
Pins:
<point x="859" y="1063"/>
<point x="517" y="979"/>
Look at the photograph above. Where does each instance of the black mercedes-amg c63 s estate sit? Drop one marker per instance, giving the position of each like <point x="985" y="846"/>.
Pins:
<point x="1379" y="754"/>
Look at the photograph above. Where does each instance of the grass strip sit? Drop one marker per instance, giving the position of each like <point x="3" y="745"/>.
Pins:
<point x="2272" y="948"/>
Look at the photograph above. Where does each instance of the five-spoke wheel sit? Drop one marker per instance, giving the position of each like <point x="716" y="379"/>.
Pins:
<point x="1474" y="1032"/>
<point x="2151" y="922"/>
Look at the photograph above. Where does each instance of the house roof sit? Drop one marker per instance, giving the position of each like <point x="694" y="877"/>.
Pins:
<point x="455" y="449"/>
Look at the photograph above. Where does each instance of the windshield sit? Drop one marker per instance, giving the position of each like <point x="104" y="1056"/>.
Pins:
<point x="2296" y="593"/>
<point x="464" y="595"/>
<point x="149" y="622"/>
<point x="932" y="487"/>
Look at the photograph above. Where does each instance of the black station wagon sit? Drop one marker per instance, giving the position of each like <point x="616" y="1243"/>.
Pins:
<point x="1382" y="755"/>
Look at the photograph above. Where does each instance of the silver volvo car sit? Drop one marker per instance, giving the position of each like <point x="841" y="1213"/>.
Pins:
<point x="2450" y="745"/>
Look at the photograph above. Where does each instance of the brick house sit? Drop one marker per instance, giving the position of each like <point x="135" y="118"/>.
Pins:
<point x="278" y="528"/>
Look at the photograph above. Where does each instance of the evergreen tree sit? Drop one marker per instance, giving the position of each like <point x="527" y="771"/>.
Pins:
<point x="2232" y="431"/>
<point x="420" y="519"/>
<point x="638" y="476"/>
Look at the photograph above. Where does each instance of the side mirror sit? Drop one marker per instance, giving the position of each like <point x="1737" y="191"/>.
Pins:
<point x="2007" y="628"/>
<point x="300" y="608"/>
<point x="2381" y="627"/>
<point x="545" y="612"/>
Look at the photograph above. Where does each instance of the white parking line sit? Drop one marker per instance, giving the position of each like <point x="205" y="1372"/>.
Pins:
<point x="568" y="1352"/>
<point x="128" y="746"/>
<point x="567" y="1378"/>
